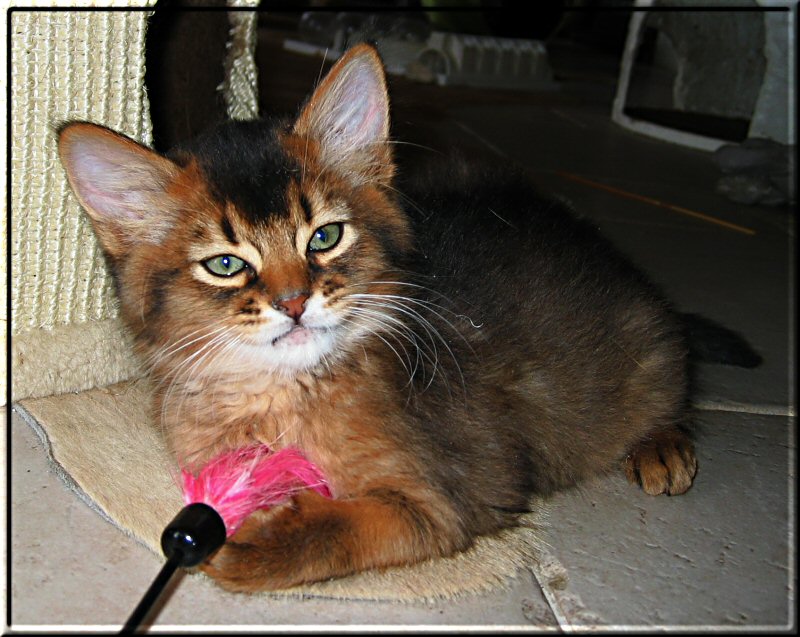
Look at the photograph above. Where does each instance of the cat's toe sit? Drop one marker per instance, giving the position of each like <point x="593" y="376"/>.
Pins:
<point x="663" y="463"/>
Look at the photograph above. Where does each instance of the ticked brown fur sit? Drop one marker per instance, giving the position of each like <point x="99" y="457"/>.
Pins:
<point x="441" y="362"/>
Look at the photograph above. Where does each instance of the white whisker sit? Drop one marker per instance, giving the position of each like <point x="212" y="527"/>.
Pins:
<point x="427" y="289"/>
<point x="176" y="346"/>
<point x="399" y="329"/>
<point x="425" y="326"/>
<point x="389" y="345"/>
<point x="388" y="310"/>
<point x="182" y="376"/>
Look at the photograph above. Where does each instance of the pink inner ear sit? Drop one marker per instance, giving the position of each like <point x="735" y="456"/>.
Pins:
<point x="369" y="98"/>
<point x="372" y="122"/>
<point x="112" y="180"/>
<point x="118" y="205"/>
<point x="356" y="110"/>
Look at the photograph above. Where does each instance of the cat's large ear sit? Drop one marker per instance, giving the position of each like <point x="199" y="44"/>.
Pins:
<point x="121" y="184"/>
<point x="348" y="115"/>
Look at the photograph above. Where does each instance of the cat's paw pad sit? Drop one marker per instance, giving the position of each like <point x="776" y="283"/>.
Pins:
<point x="664" y="463"/>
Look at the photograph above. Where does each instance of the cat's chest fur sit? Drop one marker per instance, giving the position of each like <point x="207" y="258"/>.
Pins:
<point x="333" y="418"/>
<point x="276" y="411"/>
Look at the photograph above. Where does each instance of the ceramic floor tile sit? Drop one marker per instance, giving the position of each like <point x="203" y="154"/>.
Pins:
<point x="720" y="555"/>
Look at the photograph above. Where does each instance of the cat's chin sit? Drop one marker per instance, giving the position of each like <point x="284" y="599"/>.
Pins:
<point x="299" y="349"/>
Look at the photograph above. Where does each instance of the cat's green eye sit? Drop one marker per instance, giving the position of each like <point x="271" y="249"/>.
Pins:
<point x="225" y="265"/>
<point x="325" y="237"/>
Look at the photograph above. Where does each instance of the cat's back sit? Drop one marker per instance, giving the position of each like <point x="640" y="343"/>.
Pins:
<point x="486" y="232"/>
<point x="568" y="338"/>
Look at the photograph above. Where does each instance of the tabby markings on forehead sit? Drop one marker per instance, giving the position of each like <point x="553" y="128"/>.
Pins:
<point x="306" y="206"/>
<point x="227" y="228"/>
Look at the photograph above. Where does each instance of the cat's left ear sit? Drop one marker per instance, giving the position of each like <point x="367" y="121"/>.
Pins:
<point x="348" y="116"/>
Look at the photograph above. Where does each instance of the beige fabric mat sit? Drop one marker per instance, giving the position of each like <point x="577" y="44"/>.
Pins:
<point x="72" y="357"/>
<point x="102" y="445"/>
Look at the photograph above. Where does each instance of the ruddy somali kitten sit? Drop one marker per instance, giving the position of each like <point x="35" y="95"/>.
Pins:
<point x="442" y="354"/>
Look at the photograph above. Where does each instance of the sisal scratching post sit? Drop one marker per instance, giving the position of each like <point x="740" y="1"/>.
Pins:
<point x="66" y="335"/>
<point x="240" y="88"/>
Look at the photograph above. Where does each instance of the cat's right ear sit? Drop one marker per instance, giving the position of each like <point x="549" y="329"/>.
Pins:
<point x="348" y="116"/>
<point x="121" y="184"/>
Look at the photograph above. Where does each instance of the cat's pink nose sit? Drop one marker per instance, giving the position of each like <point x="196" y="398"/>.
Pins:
<point x="293" y="306"/>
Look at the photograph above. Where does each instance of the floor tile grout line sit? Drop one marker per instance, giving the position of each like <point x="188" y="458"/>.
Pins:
<point x="617" y="191"/>
<point x="745" y="408"/>
<point x="655" y="202"/>
<point x="481" y="138"/>
<point x="565" y="606"/>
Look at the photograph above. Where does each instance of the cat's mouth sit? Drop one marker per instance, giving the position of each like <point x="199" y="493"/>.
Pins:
<point x="295" y="348"/>
<point x="290" y="347"/>
<point x="297" y="335"/>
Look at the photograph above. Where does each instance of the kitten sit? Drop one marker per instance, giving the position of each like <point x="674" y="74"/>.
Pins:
<point x="442" y="353"/>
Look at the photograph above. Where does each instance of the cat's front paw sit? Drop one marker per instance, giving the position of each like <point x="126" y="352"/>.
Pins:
<point x="280" y="548"/>
<point x="663" y="463"/>
<point x="240" y="564"/>
<point x="315" y="538"/>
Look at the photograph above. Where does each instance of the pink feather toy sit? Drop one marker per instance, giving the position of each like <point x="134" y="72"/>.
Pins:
<point x="218" y="499"/>
<point x="239" y="482"/>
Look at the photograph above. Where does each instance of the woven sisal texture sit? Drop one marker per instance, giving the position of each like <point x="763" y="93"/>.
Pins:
<point x="65" y="65"/>
<point x="240" y="88"/>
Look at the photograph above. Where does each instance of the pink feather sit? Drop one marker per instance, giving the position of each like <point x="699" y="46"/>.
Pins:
<point x="236" y="483"/>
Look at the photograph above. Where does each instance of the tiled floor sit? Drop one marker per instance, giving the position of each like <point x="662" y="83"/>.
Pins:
<point x="722" y="555"/>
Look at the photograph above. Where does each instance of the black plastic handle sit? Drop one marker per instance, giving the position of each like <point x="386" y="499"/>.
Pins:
<point x="151" y="596"/>
<point x="194" y="534"/>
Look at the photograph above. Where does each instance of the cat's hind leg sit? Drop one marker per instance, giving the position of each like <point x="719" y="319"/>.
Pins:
<point x="664" y="462"/>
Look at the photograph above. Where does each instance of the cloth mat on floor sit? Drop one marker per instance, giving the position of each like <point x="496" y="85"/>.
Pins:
<point x="103" y="446"/>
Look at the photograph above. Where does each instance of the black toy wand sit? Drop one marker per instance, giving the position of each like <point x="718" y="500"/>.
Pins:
<point x="192" y="536"/>
<point x="219" y="498"/>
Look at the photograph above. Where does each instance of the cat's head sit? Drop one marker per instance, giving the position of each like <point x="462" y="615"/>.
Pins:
<point x="245" y="248"/>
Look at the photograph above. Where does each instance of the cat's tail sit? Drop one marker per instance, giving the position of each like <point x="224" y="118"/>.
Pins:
<point x="710" y="342"/>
